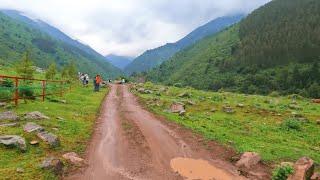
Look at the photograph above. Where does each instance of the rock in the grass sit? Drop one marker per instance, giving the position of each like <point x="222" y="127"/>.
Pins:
<point x="36" y="115"/>
<point x="141" y="90"/>
<point x="213" y="110"/>
<point x="148" y="91"/>
<point x="20" y="170"/>
<point x="191" y="103"/>
<point x="303" y="169"/>
<point x="228" y="109"/>
<point x="315" y="176"/>
<point x="291" y="164"/>
<point x="240" y="105"/>
<point x="294" y="107"/>
<point x="318" y="122"/>
<point x="182" y="113"/>
<point x="184" y="95"/>
<point x="34" y="143"/>
<point x="3" y="104"/>
<point x="32" y="127"/>
<point x="15" y="141"/>
<point x="177" y="107"/>
<point x="316" y="101"/>
<point x="9" y="125"/>
<point x="73" y="158"/>
<point x="49" y="138"/>
<point x="9" y="115"/>
<point x="53" y="164"/>
<point x="248" y="160"/>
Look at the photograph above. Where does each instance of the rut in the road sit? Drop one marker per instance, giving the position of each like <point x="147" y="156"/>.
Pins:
<point x="131" y="143"/>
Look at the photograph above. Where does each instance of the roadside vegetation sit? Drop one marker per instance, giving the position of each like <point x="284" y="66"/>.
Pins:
<point x="279" y="128"/>
<point x="71" y="119"/>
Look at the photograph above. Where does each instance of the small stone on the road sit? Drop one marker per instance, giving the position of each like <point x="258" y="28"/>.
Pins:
<point x="248" y="160"/>
<point x="73" y="158"/>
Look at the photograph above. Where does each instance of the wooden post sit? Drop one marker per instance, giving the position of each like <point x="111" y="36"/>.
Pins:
<point x="16" y="94"/>
<point x="61" y="88"/>
<point x="43" y="90"/>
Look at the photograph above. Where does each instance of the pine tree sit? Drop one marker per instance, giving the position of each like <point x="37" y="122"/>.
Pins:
<point x="25" y="68"/>
<point x="51" y="72"/>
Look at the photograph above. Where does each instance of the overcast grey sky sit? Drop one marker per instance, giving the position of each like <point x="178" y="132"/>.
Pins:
<point x="129" y="27"/>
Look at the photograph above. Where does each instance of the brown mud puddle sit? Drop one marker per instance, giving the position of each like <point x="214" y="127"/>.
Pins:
<point x="193" y="169"/>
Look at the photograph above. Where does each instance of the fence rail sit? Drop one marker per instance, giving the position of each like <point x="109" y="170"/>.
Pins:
<point x="13" y="88"/>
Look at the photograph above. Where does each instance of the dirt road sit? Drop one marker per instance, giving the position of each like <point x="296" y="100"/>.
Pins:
<point x="131" y="143"/>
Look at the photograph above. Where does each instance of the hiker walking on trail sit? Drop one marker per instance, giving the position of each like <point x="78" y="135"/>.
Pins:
<point x="97" y="81"/>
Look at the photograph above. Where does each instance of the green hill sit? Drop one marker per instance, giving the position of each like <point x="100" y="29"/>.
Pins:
<point x="276" y="48"/>
<point x="19" y="34"/>
<point x="155" y="57"/>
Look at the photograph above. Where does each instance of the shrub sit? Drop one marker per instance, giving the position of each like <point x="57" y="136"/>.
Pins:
<point x="291" y="124"/>
<point x="282" y="172"/>
<point x="5" y="95"/>
<point x="274" y="94"/>
<point x="179" y="85"/>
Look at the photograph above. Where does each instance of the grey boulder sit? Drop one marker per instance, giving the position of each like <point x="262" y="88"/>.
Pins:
<point x="36" y="115"/>
<point x="9" y="115"/>
<point x="32" y="127"/>
<point x="14" y="141"/>
<point x="49" y="138"/>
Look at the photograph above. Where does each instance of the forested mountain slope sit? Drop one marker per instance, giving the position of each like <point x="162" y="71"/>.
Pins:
<point x="155" y="57"/>
<point x="47" y="44"/>
<point x="275" y="49"/>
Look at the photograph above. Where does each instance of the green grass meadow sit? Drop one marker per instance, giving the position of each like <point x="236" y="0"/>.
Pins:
<point x="72" y="122"/>
<point x="260" y="126"/>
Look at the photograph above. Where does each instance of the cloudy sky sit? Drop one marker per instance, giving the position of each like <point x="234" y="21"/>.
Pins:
<point x="129" y="27"/>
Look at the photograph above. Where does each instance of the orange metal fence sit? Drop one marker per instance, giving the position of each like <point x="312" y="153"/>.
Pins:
<point x="13" y="88"/>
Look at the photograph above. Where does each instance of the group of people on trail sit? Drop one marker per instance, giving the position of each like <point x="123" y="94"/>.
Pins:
<point x="97" y="81"/>
<point x="84" y="78"/>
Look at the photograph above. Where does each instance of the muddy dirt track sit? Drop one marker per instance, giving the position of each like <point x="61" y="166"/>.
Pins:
<point x="131" y="143"/>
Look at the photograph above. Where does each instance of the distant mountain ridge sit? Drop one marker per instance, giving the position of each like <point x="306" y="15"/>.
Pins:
<point x="119" y="61"/>
<point x="157" y="56"/>
<point x="48" y="44"/>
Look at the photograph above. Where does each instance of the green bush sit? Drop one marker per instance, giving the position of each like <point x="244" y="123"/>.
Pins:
<point x="291" y="124"/>
<point x="282" y="172"/>
<point x="274" y="94"/>
<point x="5" y="95"/>
<point x="179" y="85"/>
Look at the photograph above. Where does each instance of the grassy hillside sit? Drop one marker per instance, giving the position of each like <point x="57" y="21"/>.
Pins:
<point x="258" y="55"/>
<point x="278" y="128"/>
<point x="155" y="57"/>
<point x="17" y="37"/>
